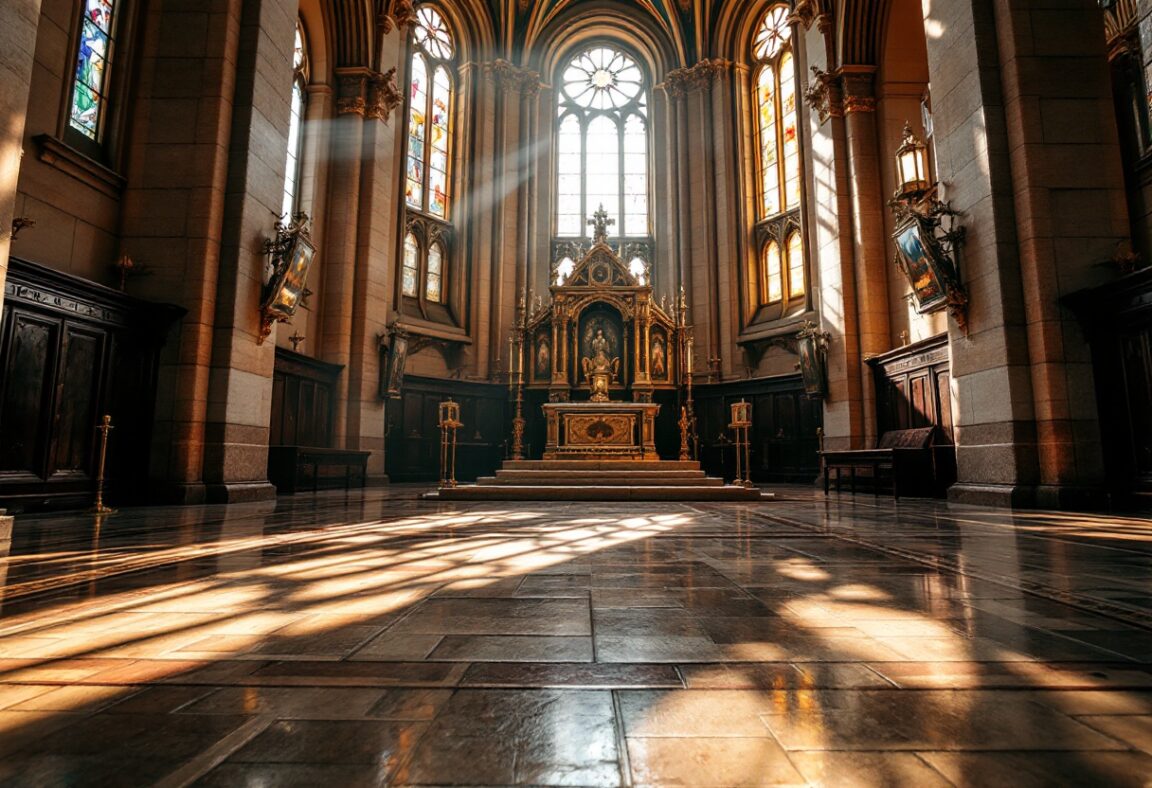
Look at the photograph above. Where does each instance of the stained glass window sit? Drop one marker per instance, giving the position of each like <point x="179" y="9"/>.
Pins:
<point x="602" y="143"/>
<point x="432" y="288"/>
<point x="778" y="161"/>
<point x="429" y="115"/>
<point x="295" y="126"/>
<point x="772" y="273"/>
<point x="93" y="59"/>
<point x="411" y="265"/>
<point x="795" y="265"/>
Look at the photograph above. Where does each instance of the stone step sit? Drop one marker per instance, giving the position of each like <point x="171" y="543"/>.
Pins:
<point x="505" y="492"/>
<point x="615" y="473"/>
<point x="601" y="465"/>
<point x="572" y="478"/>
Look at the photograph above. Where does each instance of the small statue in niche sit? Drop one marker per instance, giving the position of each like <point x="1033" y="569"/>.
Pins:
<point x="599" y="370"/>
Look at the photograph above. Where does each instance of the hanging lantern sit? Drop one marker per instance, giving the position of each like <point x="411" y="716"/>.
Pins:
<point x="911" y="166"/>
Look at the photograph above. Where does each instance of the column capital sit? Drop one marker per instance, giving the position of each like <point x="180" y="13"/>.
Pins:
<point x="513" y="78"/>
<point x="398" y="14"/>
<point x="858" y="88"/>
<point x="679" y="82"/>
<point x="367" y="93"/>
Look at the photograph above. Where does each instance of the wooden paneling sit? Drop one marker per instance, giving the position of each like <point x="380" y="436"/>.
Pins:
<point x="303" y="393"/>
<point x="413" y="437"/>
<point x="783" y="435"/>
<point x="912" y="387"/>
<point x="72" y="351"/>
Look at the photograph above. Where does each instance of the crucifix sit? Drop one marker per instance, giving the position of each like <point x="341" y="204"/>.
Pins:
<point x="296" y="339"/>
<point x="600" y="224"/>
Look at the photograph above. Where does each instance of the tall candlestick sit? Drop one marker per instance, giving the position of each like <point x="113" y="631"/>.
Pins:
<point x="689" y="359"/>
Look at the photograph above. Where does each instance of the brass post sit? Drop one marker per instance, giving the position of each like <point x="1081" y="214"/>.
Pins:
<point x="98" y="507"/>
<point x="683" y="423"/>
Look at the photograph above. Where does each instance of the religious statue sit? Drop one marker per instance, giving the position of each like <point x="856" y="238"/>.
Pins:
<point x="599" y="370"/>
<point x="659" y="359"/>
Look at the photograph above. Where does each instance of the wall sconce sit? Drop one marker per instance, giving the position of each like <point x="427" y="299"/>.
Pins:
<point x="927" y="235"/>
<point x="288" y="258"/>
<point x="20" y="223"/>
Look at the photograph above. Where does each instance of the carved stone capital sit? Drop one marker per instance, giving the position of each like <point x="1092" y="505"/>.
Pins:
<point x="398" y="15"/>
<point x="858" y="86"/>
<point x="805" y="12"/>
<point x="679" y="82"/>
<point x="369" y="94"/>
<point x="510" y="77"/>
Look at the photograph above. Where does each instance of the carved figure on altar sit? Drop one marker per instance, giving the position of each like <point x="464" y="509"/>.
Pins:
<point x="599" y="370"/>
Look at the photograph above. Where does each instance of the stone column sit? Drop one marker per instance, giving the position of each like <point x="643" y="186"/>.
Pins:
<point x="178" y="167"/>
<point x="18" y="20"/>
<point x="240" y="383"/>
<point x="869" y="245"/>
<point x="992" y="381"/>
<point x="1071" y="214"/>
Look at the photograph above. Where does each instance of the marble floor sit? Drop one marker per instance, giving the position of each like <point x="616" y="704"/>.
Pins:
<point x="368" y="638"/>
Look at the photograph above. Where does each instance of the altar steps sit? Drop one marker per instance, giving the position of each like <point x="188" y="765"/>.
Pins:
<point x="598" y="480"/>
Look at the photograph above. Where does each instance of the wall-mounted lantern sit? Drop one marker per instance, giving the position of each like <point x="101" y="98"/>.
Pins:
<point x="927" y="235"/>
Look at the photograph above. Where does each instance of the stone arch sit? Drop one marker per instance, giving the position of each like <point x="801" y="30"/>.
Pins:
<point x="861" y="27"/>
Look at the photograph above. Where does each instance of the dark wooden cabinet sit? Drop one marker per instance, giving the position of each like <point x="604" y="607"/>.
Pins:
<point x="303" y="399"/>
<point x="413" y="437"/>
<point x="784" y="444"/>
<point x="72" y="351"/>
<point x="1117" y="318"/>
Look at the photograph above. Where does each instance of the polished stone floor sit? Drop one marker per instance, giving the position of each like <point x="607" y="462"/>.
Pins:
<point x="368" y="638"/>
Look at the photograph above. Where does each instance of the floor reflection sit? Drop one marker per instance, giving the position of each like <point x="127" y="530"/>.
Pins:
<point x="369" y="638"/>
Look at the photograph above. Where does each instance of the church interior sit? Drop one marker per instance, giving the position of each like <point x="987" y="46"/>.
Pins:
<point x="576" y="392"/>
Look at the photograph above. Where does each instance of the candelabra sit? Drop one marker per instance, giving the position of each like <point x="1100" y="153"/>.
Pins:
<point x="516" y="342"/>
<point x="449" y="424"/>
<point x="98" y="506"/>
<point x="742" y="425"/>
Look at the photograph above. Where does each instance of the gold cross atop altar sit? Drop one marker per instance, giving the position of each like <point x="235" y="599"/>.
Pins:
<point x="600" y="224"/>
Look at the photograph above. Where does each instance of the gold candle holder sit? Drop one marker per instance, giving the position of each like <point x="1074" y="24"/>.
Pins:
<point x="104" y="428"/>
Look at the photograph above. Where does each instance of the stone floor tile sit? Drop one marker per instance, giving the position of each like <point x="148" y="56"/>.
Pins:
<point x="1133" y="730"/>
<point x="498" y="617"/>
<point x="927" y="720"/>
<point x="409" y="704"/>
<point x="325" y="703"/>
<point x="75" y="699"/>
<point x="584" y="676"/>
<point x="379" y="743"/>
<point x="390" y="646"/>
<point x="866" y="769"/>
<point x="293" y="775"/>
<point x="1026" y="770"/>
<point x="695" y="714"/>
<point x="710" y="762"/>
<point x="512" y="648"/>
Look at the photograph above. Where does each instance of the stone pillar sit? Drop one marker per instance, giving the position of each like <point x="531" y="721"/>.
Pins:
<point x="870" y="248"/>
<point x="992" y="382"/>
<point x="830" y="217"/>
<point x="1072" y="213"/>
<point x="240" y="383"/>
<point x="178" y="167"/>
<point x="18" y="20"/>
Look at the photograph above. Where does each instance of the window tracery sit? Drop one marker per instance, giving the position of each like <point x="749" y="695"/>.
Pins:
<point x="427" y="192"/>
<point x="783" y="271"/>
<point x="602" y="146"/>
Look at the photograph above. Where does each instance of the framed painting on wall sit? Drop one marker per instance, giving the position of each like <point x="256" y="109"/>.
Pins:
<point x="919" y="257"/>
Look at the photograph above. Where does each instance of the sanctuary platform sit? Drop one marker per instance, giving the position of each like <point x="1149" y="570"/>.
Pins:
<point x="599" y="480"/>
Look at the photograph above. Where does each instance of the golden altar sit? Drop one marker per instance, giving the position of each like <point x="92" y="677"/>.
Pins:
<point x="601" y="430"/>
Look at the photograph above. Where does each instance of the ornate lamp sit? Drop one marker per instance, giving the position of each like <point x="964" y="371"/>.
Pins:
<point x="927" y="235"/>
<point x="912" y="166"/>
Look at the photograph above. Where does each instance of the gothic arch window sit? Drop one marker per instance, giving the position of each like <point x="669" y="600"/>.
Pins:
<point x="292" y="170"/>
<point x="427" y="182"/>
<point x="602" y="145"/>
<point x="779" y="188"/>
<point x="88" y="111"/>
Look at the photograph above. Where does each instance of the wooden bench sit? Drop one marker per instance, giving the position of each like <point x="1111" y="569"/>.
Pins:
<point x="902" y="458"/>
<point x="293" y="468"/>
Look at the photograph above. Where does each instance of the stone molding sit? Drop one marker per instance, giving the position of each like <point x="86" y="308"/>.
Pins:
<point x="369" y="94"/>
<point x="805" y="12"/>
<point x="511" y="77"/>
<point x="679" y="82"/>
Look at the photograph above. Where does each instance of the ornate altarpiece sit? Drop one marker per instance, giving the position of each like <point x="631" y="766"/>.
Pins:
<point x="601" y="310"/>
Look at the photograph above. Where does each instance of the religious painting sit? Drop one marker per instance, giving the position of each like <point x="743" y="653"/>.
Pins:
<point x="659" y="361"/>
<point x="542" y="358"/>
<point x="288" y="279"/>
<point x="922" y="263"/>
